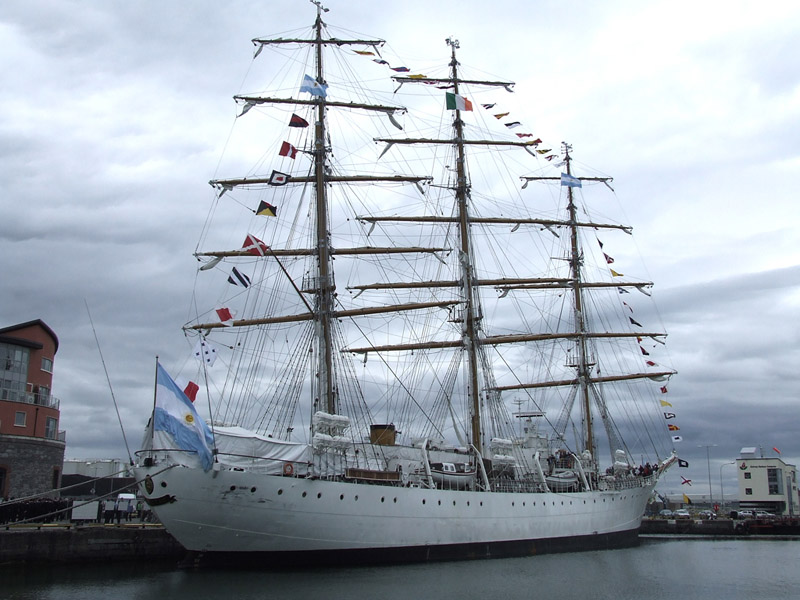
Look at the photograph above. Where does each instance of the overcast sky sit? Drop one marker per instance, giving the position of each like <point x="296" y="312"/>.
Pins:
<point x="113" y="116"/>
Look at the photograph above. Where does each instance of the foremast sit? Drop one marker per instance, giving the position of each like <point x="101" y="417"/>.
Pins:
<point x="325" y="287"/>
<point x="323" y="312"/>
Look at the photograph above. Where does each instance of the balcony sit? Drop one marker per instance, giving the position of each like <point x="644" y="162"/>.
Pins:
<point x="46" y="400"/>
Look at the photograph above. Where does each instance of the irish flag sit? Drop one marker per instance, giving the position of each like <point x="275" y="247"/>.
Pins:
<point x="456" y="102"/>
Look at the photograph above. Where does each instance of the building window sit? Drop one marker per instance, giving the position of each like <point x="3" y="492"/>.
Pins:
<point x="20" y="418"/>
<point x="774" y="482"/>
<point x="51" y="428"/>
<point x="747" y="475"/>
<point x="13" y="372"/>
<point x="42" y="395"/>
<point x="748" y="491"/>
<point x="47" y="365"/>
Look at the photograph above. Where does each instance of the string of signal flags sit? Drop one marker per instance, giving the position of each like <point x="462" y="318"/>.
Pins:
<point x="453" y="101"/>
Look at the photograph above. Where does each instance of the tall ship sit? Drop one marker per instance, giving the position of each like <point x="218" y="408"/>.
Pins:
<point x="420" y="350"/>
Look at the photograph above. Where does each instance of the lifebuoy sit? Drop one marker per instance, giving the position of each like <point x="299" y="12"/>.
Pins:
<point x="288" y="468"/>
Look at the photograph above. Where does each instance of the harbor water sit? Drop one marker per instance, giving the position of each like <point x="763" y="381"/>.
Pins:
<point x="667" y="568"/>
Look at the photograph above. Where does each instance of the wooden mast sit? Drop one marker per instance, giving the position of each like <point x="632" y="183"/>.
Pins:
<point x="583" y="366"/>
<point x="325" y="283"/>
<point x="471" y="316"/>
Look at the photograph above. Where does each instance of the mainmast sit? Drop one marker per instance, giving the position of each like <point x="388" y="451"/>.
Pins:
<point x="471" y="312"/>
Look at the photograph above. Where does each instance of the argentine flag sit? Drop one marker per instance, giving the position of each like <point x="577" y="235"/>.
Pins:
<point x="314" y="88"/>
<point x="175" y="414"/>
<point x="570" y="181"/>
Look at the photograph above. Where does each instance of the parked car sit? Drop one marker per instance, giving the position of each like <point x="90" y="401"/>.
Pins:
<point x="708" y="515"/>
<point x="666" y="513"/>
<point x="681" y="513"/>
<point x="746" y="514"/>
<point x="761" y="514"/>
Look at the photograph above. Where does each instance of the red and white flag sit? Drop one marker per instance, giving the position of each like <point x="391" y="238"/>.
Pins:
<point x="288" y="150"/>
<point x="253" y="245"/>
<point x="226" y="316"/>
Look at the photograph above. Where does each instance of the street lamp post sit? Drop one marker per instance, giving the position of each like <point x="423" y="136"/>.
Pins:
<point x="721" y="489"/>
<point x="708" y="462"/>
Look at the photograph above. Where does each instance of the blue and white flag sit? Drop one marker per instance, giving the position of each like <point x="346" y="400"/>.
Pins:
<point x="570" y="181"/>
<point x="175" y="414"/>
<point x="313" y="87"/>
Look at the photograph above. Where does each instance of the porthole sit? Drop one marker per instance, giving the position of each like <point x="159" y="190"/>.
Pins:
<point x="382" y="498"/>
<point x="356" y="498"/>
<point x="319" y="494"/>
<point x="454" y="502"/>
<point x="233" y="488"/>
<point x="253" y="490"/>
<point x="164" y="484"/>
<point x="395" y="500"/>
<point x="423" y="500"/>
<point x="341" y="496"/>
<point x="467" y="502"/>
<point x="481" y="502"/>
<point x="280" y="492"/>
<point x="512" y="504"/>
<point x="440" y="502"/>
<point x="304" y="494"/>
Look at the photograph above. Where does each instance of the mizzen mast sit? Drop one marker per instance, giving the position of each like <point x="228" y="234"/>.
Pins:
<point x="583" y="367"/>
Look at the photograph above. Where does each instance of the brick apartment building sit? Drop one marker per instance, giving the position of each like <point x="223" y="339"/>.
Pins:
<point x="31" y="446"/>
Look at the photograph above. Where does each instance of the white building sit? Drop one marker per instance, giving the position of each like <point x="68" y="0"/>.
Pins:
<point x="94" y="467"/>
<point x="767" y="484"/>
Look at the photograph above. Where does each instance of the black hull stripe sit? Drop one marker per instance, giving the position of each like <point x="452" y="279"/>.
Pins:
<point x="412" y="554"/>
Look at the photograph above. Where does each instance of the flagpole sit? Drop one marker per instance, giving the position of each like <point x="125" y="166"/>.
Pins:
<point x="708" y="462"/>
<point x="721" y="489"/>
<point x="153" y="414"/>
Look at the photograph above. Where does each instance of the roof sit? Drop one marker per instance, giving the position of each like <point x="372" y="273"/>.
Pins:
<point x="34" y="323"/>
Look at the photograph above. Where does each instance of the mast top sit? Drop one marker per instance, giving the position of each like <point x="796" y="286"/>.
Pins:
<point x="320" y="8"/>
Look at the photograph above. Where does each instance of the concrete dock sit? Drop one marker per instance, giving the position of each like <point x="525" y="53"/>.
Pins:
<point x="64" y="543"/>
<point x="721" y="527"/>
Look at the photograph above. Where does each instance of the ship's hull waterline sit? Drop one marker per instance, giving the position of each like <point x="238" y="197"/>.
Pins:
<point x="233" y="516"/>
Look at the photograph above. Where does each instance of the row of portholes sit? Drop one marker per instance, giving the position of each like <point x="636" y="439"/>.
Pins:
<point x="394" y="500"/>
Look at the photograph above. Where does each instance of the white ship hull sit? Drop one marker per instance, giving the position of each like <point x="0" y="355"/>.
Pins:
<point x="240" y="513"/>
